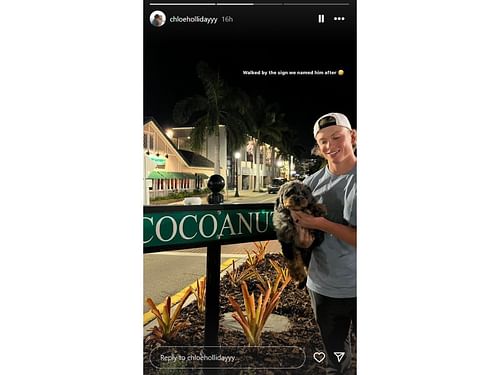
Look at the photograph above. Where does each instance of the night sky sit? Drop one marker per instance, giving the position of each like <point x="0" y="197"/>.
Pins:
<point x="261" y="38"/>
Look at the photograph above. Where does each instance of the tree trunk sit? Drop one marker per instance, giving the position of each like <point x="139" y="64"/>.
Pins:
<point x="217" y="157"/>
<point x="273" y="163"/>
<point x="257" y="164"/>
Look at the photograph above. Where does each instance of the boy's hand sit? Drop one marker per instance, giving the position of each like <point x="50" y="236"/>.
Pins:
<point x="304" y="237"/>
<point x="304" y="220"/>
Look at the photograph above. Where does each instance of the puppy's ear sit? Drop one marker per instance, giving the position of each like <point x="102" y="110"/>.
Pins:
<point x="277" y="203"/>
<point x="309" y="193"/>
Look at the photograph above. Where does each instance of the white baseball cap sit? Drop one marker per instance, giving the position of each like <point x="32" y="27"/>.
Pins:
<point x="331" y="119"/>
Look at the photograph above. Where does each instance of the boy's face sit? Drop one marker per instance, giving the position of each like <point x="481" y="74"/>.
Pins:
<point x="336" y="143"/>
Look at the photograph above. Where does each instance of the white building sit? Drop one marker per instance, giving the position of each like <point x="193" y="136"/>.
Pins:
<point x="247" y="166"/>
<point x="168" y="169"/>
<point x="180" y="137"/>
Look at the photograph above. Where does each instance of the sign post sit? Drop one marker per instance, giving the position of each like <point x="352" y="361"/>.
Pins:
<point x="212" y="303"/>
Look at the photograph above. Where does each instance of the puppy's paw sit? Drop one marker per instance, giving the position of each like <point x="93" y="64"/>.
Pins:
<point x="299" y="277"/>
<point x="301" y="284"/>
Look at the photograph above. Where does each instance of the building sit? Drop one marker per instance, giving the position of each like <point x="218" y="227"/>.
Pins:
<point x="180" y="137"/>
<point x="246" y="166"/>
<point x="168" y="169"/>
<point x="170" y="164"/>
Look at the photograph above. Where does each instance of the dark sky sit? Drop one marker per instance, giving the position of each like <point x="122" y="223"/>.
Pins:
<point x="274" y="38"/>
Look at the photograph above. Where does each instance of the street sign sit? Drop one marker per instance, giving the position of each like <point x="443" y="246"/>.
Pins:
<point x="174" y="227"/>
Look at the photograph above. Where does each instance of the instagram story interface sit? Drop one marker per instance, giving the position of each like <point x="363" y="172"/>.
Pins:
<point x="249" y="224"/>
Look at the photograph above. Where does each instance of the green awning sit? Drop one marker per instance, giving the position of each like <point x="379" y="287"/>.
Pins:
<point x="164" y="175"/>
<point x="202" y="175"/>
<point x="155" y="175"/>
<point x="173" y="175"/>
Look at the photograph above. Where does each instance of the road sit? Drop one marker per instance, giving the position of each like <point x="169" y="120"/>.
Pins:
<point x="168" y="272"/>
<point x="245" y="197"/>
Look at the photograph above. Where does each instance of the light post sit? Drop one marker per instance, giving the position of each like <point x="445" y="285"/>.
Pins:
<point x="237" y="156"/>
<point x="280" y="165"/>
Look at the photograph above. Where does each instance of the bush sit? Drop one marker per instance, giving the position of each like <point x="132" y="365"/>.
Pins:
<point x="181" y="195"/>
<point x="168" y="323"/>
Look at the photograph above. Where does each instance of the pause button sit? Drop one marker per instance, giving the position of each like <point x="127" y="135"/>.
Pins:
<point x="321" y="18"/>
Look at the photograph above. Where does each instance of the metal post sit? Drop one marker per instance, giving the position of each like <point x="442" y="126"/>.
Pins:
<point x="237" y="156"/>
<point x="212" y="297"/>
<point x="212" y="303"/>
<point x="236" y="167"/>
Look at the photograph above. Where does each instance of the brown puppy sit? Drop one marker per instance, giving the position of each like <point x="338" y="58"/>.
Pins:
<point x="295" y="196"/>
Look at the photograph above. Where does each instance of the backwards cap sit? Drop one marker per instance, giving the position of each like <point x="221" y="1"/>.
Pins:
<point x="331" y="119"/>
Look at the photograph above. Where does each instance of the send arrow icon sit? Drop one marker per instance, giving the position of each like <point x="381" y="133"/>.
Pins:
<point x="339" y="355"/>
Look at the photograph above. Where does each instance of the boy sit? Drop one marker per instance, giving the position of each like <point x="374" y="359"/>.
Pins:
<point x="331" y="280"/>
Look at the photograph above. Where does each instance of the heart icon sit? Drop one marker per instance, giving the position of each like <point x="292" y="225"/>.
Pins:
<point x="319" y="356"/>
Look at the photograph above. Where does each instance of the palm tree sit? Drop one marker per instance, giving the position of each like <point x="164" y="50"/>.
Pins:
<point x="290" y="147"/>
<point x="219" y="105"/>
<point x="274" y="138"/>
<point x="266" y="126"/>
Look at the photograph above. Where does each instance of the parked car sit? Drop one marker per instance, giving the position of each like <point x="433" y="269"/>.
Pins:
<point x="275" y="185"/>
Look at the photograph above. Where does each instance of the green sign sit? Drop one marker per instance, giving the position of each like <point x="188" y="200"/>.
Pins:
<point x="197" y="227"/>
<point x="157" y="160"/>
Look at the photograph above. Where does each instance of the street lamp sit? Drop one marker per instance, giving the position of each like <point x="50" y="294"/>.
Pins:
<point x="280" y="165"/>
<point x="237" y="156"/>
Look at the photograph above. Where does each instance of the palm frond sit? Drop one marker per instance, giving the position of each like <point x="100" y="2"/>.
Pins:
<point x="188" y="110"/>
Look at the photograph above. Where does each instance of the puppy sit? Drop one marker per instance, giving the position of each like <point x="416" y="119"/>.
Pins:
<point x="295" y="196"/>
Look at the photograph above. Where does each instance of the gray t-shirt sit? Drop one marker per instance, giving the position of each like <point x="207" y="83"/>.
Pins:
<point x="332" y="271"/>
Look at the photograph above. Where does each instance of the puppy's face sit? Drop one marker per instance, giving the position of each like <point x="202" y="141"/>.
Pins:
<point x="295" y="196"/>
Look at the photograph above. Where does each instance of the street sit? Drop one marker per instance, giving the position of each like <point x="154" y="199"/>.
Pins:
<point x="245" y="196"/>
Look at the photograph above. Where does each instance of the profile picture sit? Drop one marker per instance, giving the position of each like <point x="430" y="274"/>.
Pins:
<point x="157" y="18"/>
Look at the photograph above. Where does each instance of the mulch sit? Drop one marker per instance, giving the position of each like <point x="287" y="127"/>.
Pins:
<point x="294" y="304"/>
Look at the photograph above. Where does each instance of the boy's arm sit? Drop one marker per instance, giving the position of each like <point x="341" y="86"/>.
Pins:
<point x="342" y="232"/>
